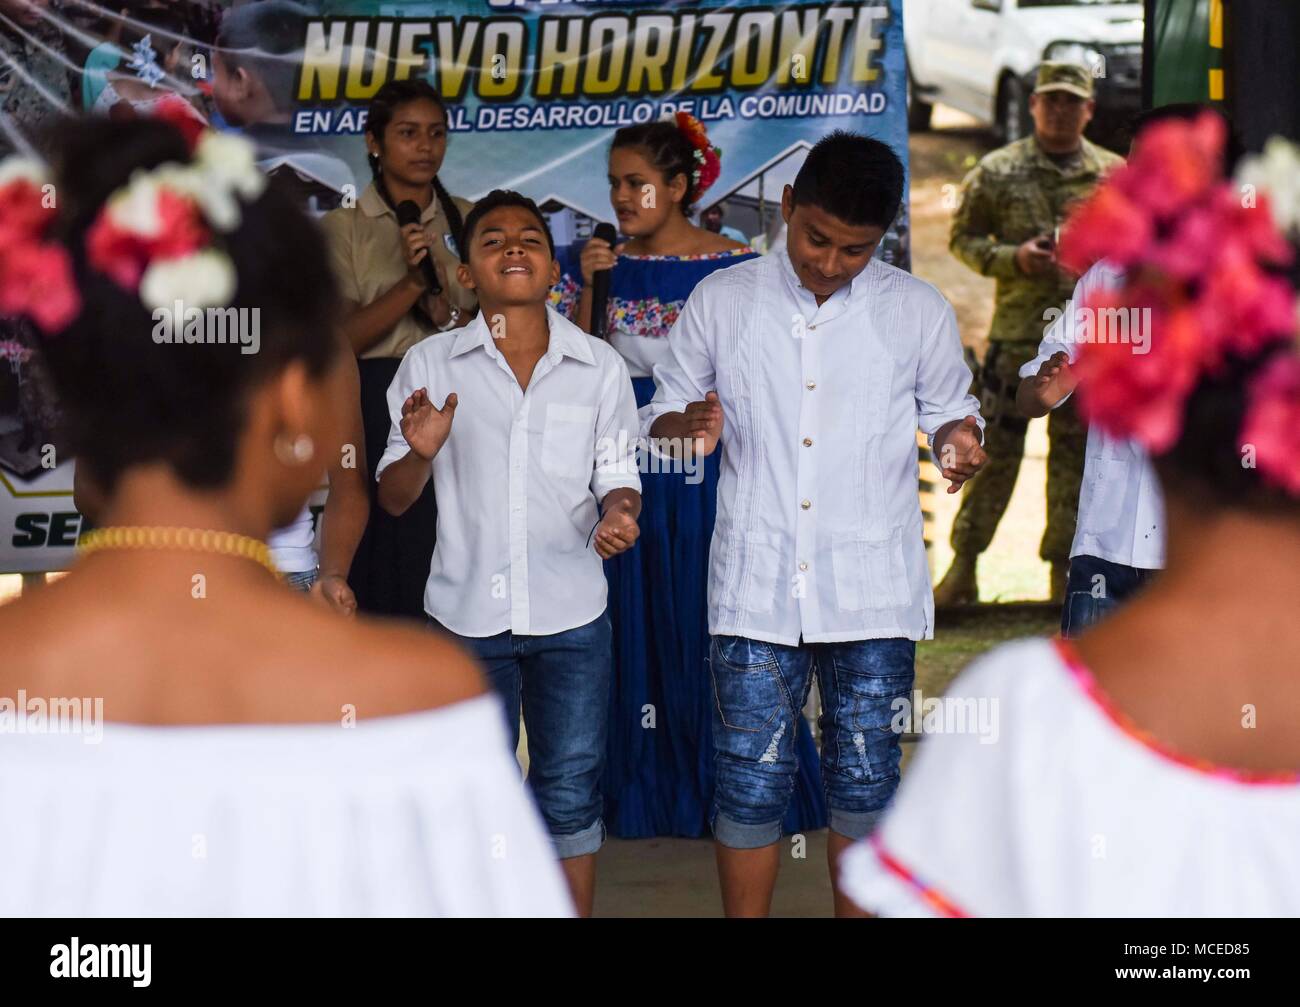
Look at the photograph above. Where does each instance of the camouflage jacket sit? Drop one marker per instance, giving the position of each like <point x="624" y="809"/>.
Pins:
<point x="1015" y="193"/>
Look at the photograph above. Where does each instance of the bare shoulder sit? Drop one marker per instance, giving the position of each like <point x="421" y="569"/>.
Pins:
<point x="393" y="668"/>
<point x="719" y="243"/>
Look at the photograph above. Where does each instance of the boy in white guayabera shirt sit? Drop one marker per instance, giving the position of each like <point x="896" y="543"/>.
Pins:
<point x="545" y="443"/>
<point x="821" y="362"/>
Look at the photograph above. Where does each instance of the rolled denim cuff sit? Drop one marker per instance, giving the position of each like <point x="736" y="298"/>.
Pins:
<point x="854" y="824"/>
<point x="744" y="836"/>
<point x="581" y="843"/>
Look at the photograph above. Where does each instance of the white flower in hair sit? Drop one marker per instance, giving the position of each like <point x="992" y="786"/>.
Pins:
<point x="202" y="279"/>
<point x="1277" y="172"/>
<point x="134" y="207"/>
<point x="227" y="165"/>
<point x="15" y="168"/>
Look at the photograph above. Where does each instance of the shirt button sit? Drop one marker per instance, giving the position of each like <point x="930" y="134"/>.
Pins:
<point x="803" y="566"/>
<point x="807" y="442"/>
<point x="810" y="385"/>
<point x="806" y="504"/>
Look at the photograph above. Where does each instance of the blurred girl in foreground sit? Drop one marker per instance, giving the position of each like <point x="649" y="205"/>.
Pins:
<point x="246" y="752"/>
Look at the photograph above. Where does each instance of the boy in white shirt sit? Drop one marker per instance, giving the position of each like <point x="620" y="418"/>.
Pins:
<point x="1119" y="540"/>
<point x="822" y="360"/>
<point x="547" y="434"/>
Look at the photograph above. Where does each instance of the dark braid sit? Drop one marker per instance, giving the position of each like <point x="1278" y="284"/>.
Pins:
<point x="455" y="222"/>
<point x="383" y="106"/>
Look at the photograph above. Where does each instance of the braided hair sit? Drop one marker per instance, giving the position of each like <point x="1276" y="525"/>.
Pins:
<point x="383" y="106"/>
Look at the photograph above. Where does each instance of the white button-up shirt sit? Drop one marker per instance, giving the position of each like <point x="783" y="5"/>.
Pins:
<point x="1121" y="508"/>
<point x="818" y="531"/>
<point x="520" y="477"/>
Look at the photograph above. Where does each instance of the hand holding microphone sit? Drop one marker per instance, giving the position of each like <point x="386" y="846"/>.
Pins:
<point x="598" y="259"/>
<point x="419" y="250"/>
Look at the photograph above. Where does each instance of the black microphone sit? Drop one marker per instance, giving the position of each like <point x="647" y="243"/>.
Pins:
<point x="408" y="212"/>
<point x="600" y="285"/>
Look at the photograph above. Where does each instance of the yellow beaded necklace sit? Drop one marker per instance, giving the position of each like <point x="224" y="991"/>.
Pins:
<point x="179" y="540"/>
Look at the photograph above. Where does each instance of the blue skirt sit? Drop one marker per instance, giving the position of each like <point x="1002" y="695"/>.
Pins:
<point x="658" y="777"/>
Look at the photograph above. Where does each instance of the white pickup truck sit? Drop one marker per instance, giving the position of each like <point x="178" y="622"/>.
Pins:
<point x="980" y="56"/>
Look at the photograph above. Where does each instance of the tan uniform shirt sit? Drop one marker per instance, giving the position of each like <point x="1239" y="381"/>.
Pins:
<point x="366" y="253"/>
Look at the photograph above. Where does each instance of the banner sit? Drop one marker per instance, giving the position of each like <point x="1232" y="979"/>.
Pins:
<point x="534" y="88"/>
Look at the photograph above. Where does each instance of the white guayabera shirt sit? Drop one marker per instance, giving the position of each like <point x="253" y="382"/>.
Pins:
<point x="1121" y="509"/>
<point x="818" y="532"/>
<point x="519" y="480"/>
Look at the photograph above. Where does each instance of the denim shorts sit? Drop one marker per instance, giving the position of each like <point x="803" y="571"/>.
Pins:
<point x="561" y="682"/>
<point x="1094" y="588"/>
<point x="759" y="691"/>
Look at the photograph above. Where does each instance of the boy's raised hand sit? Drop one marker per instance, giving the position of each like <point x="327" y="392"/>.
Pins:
<point x="704" y="423"/>
<point x="426" y="428"/>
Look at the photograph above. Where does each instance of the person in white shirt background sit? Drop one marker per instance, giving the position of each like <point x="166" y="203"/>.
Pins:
<point x="1119" y="535"/>
<point x="821" y="361"/>
<point x="1119" y="540"/>
<point x="545" y="444"/>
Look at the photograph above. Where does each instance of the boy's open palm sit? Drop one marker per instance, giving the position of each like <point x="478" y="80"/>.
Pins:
<point x="426" y="428"/>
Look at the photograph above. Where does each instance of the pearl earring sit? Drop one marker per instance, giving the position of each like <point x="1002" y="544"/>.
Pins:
<point x="298" y="452"/>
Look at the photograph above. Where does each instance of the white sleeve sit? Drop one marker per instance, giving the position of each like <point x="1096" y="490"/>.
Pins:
<point x="616" y="432"/>
<point x="688" y="372"/>
<point x="942" y="378"/>
<point x="411" y="374"/>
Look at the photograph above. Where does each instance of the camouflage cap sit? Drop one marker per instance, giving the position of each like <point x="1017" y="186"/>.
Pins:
<point x="1064" y="77"/>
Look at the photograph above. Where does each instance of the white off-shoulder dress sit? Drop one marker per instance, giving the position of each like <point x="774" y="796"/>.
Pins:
<point x="421" y="814"/>
<point x="1072" y="810"/>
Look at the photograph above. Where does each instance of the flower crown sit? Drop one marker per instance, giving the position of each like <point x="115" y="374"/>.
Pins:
<point x="708" y="158"/>
<point x="154" y="236"/>
<point x="1207" y="257"/>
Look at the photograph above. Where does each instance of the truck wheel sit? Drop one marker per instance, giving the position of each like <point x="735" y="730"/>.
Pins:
<point x="1013" y="111"/>
<point x="918" y="111"/>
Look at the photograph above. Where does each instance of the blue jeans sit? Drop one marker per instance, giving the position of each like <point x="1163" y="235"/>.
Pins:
<point x="562" y="683"/>
<point x="1089" y="599"/>
<point x="760" y="688"/>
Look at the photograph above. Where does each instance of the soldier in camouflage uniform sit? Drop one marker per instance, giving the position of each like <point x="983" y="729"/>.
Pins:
<point x="1012" y="204"/>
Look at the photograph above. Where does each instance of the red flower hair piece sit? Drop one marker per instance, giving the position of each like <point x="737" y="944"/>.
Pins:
<point x="1201" y="270"/>
<point x="708" y="158"/>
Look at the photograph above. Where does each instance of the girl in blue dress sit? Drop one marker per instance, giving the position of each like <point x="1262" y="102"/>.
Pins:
<point x="659" y="766"/>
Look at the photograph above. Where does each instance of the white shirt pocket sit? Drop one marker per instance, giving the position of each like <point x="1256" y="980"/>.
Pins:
<point x="870" y="573"/>
<point x="568" y="440"/>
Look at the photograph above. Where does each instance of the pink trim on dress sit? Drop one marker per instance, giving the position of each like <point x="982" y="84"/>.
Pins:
<point x="1089" y="685"/>
<point x="928" y="894"/>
